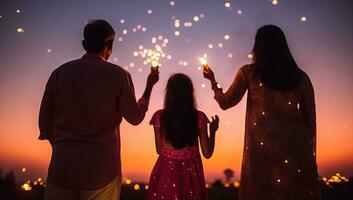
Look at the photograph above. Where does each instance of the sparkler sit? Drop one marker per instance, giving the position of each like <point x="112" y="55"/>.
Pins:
<point x="203" y="62"/>
<point x="153" y="55"/>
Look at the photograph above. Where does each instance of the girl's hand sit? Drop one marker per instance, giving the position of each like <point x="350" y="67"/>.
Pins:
<point x="208" y="73"/>
<point x="214" y="124"/>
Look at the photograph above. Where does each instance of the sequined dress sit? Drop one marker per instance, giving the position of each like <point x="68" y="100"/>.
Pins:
<point x="178" y="173"/>
<point x="279" y="161"/>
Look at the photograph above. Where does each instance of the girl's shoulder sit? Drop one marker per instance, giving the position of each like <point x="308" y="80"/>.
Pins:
<point x="156" y="118"/>
<point x="158" y="112"/>
<point x="202" y="118"/>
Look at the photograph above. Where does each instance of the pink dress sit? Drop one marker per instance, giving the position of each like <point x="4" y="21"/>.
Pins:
<point x="178" y="173"/>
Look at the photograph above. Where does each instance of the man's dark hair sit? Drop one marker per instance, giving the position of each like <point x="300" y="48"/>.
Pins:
<point x="97" y="35"/>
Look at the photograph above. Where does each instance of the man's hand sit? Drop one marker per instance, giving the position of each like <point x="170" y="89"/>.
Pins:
<point x="153" y="77"/>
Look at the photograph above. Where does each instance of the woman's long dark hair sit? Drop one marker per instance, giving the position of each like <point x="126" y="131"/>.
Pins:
<point x="179" y="120"/>
<point x="273" y="59"/>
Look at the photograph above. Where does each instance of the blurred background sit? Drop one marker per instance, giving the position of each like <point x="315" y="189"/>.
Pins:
<point x="38" y="36"/>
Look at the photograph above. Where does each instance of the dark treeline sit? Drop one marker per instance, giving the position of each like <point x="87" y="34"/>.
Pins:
<point x="12" y="190"/>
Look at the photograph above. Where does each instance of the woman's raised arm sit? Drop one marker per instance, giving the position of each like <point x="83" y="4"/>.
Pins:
<point x="235" y="92"/>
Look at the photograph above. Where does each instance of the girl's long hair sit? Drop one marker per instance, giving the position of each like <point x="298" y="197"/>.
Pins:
<point x="273" y="60"/>
<point x="179" y="120"/>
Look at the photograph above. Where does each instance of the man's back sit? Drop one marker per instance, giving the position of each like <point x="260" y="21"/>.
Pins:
<point x="80" y="112"/>
<point x="82" y="106"/>
<point x="87" y="92"/>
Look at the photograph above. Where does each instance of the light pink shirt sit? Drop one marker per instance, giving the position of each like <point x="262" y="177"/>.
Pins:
<point x="82" y="107"/>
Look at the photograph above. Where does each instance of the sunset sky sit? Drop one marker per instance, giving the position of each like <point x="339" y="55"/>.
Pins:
<point x="36" y="37"/>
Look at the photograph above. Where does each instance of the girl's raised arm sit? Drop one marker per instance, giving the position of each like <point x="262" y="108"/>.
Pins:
<point x="207" y="142"/>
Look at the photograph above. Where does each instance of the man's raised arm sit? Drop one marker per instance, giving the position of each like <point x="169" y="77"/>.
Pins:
<point x="134" y="112"/>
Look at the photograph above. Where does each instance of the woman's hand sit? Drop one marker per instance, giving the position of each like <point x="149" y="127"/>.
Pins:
<point x="208" y="73"/>
<point x="214" y="124"/>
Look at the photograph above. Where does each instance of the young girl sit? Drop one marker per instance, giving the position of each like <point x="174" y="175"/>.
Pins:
<point x="178" y="172"/>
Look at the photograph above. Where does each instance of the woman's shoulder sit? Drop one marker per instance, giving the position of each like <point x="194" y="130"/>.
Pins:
<point x="248" y="69"/>
<point x="305" y="82"/>
<point x="304" y="76"/>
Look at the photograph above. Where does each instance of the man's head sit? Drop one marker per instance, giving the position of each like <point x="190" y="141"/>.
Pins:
<point x="98" y="38"/>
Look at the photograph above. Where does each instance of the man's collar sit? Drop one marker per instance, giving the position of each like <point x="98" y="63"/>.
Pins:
<point x="92" y="56"/>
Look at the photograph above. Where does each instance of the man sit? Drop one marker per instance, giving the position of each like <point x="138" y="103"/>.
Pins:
<point x="82" y="107"/>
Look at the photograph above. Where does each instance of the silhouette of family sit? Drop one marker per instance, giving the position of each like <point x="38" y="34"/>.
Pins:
<point x="86" y="99"/>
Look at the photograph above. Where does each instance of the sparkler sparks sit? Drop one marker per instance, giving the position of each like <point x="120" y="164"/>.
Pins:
<point x="26" y="187"/>
<point x="188" y="24"/>
<point x="153" y="55"/>
<point x="203" y="61"/>
<point x="177" y="23"/>
<point x="20" y="30"/>
<point x="303" y="19"/>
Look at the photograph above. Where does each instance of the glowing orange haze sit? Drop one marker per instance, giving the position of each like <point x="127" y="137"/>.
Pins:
<point x="322" y="47"/>
<point x="19" y="146"/>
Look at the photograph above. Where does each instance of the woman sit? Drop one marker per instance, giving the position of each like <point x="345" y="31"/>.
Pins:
<point x="279" y="159"/>
<point x="179" y="128"/>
